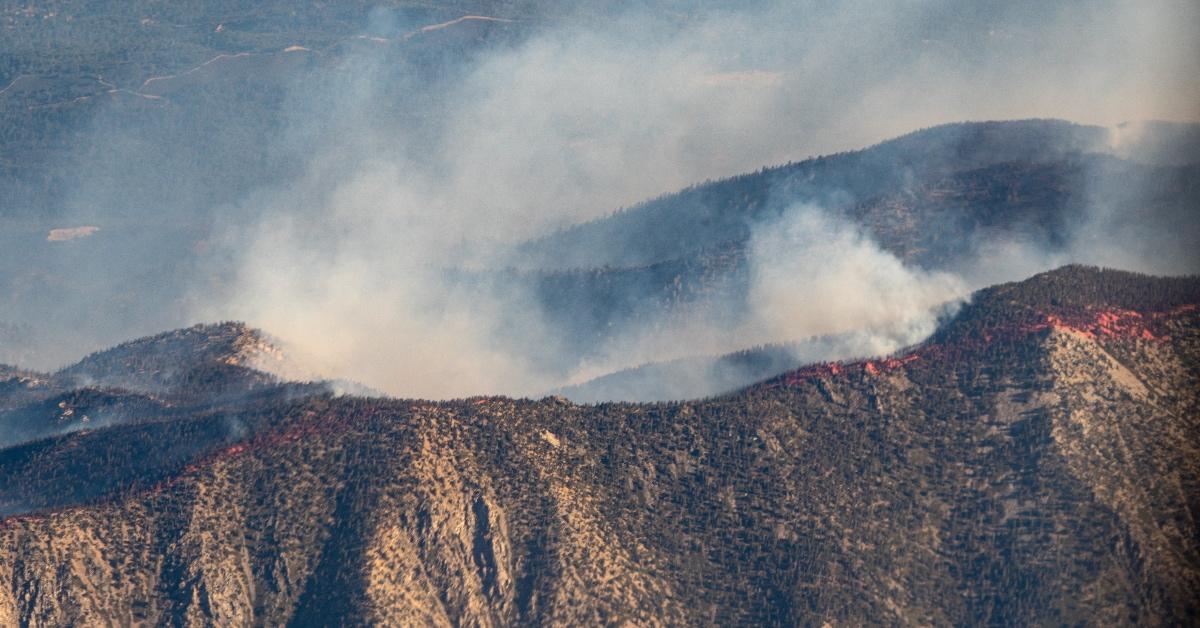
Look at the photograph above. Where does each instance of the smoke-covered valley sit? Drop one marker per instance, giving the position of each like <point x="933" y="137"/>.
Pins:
<point x="440" y="208"/>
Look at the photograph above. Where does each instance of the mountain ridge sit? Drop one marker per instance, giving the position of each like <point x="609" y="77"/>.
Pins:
<point x="932" y="490"/>
<point x="925" y="155"/>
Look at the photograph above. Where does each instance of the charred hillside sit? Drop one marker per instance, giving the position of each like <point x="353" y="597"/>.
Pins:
<point x="1035" y="463"/>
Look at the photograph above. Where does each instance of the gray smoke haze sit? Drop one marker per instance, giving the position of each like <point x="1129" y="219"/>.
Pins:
<point x="846" y="283"/>
<point x="390" y="176"/>
<point x="810" y="275"/>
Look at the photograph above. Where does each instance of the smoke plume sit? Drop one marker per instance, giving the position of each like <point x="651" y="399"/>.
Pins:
<point x="378" y="235"/>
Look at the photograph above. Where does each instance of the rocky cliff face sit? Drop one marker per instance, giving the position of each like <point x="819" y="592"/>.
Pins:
<point x="1034" y="462"/>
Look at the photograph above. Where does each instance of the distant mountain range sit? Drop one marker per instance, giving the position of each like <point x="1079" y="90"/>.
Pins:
<point x="1035" y="461"/>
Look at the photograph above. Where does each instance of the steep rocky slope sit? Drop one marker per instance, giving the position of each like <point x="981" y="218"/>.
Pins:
<point x="1034" y="462"/>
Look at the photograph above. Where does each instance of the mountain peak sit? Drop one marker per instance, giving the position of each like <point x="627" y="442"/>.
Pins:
<point x="169" y="359"/>
<point x="1085" y="302"/>
<point x="1086" y="296"/>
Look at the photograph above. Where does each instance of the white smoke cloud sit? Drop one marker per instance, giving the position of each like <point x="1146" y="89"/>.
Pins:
<point x="589" y="114"/>
<point x="584" y="117"/>
<point x="811" y="274"/>
<point x="814" y="275"/>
